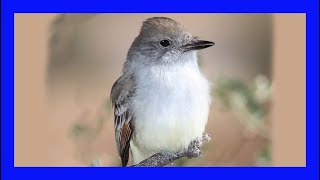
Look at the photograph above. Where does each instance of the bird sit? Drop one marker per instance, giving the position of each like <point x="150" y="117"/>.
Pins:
<point x="162" y="100"/>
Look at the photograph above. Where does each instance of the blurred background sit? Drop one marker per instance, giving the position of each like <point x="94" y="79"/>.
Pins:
<point x="66" y="64"/>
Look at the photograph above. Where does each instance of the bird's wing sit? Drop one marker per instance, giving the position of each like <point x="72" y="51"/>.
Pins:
<point x="121" y="92"/>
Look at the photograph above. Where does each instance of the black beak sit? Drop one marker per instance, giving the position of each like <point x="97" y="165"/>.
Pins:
<point x="197" y="45"/>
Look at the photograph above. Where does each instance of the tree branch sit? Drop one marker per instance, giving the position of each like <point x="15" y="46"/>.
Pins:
<point x="164" y="158"/>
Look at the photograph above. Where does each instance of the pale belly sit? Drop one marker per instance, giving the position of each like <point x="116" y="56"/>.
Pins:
<point x="169" y="114"/>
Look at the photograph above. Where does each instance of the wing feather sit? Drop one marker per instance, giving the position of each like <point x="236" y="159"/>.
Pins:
<point x="121" y="92"/>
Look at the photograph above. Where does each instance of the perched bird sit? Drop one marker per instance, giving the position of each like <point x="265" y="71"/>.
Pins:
<point x="161" y="101"/>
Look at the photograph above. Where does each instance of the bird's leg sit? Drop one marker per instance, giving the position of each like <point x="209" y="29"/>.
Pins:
<point x="194" y="149"/>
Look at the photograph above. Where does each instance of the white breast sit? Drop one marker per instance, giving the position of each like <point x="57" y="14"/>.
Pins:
<point x="171" y="109"/>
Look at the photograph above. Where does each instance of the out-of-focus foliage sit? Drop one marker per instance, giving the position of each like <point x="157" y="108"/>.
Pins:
<point x="82" y="128"/>
<point x="250" y="104"/>
<point x="264" y="157"/>
<point x="79" y="130"/>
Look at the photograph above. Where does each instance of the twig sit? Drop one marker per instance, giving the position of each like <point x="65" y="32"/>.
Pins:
<point x="164" y="158"/>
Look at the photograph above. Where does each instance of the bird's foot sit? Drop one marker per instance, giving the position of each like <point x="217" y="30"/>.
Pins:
<point x="194" y="149"/>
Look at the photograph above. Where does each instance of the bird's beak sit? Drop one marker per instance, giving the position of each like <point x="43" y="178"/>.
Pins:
<point x="196" y="45"/>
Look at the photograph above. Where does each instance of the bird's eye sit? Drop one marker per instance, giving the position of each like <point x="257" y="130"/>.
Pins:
<point x="165" y="43"/>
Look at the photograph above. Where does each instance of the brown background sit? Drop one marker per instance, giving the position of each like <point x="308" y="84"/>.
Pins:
<point x="41" y="133"/>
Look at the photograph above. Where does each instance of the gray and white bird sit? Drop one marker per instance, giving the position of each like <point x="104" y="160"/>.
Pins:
<point x="161" y="101"/>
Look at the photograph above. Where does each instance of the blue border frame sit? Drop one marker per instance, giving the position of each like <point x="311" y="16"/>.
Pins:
<point x="9" y="7"/>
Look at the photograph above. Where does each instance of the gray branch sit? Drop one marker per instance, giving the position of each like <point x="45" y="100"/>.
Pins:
<point x="164" y="158"/>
